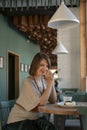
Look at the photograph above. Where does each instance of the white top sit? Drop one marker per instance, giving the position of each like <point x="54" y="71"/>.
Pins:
<point x="28" y="99"/>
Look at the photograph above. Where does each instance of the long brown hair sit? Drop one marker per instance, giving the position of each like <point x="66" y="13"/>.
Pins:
<point x="36" y="62"/>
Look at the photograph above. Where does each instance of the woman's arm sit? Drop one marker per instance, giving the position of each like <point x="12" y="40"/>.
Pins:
<point x="49" y="93"/>
<point x="53" y="95"/>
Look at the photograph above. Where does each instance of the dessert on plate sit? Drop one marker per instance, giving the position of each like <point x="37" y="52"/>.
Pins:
<point x="68" y="103"/>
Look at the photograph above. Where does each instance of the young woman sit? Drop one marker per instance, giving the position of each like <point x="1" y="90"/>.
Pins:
<point x="37" y="89"/>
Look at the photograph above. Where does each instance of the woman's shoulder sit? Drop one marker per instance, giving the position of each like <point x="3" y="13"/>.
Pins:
<point x="27" y="83"/>
<point x="28" y="80"/>
<point x="25" y="79"/>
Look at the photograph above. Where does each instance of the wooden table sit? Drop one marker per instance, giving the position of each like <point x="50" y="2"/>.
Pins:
<point x="61" y="112"/>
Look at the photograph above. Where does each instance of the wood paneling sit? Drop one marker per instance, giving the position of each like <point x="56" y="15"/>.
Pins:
<point x="83" y="46"/>
<point x="36" y="29"/>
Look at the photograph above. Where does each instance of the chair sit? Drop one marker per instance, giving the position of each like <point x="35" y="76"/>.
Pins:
<point x="5" y="108"/>
<point x="76" y="120"/>
<point x="83" y="112"/>
<point x="80" y="97"/>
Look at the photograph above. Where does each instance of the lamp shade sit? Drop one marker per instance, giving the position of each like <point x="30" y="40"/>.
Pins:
<point x="62" y="18"/>
<point x="60" y="49"/>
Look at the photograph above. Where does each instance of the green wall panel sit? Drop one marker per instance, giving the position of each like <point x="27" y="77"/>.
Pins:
<point x="13" y="40"/>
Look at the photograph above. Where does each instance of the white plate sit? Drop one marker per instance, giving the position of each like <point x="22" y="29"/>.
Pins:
<point x="61" y="104"/>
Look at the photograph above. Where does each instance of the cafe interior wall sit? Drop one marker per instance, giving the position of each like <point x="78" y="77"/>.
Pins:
<point x="12" y="40"/>
<point x="69" y="64"/>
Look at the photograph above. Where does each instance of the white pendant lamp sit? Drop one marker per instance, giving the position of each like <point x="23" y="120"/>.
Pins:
<point x="60" y="49"/>
<point x="63" y="18"/>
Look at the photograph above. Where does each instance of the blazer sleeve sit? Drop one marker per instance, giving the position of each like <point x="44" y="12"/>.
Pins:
<point x="28" y="99"/>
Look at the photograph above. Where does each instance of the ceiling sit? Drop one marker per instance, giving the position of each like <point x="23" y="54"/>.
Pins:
<point x="31" y="18"/>
<point x="28" y="7"/>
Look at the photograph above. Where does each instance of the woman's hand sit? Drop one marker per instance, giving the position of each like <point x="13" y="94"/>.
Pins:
<point x="48" y="77"/>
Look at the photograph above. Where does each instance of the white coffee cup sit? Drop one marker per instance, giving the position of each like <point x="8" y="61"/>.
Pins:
<point x="67" y="98"/>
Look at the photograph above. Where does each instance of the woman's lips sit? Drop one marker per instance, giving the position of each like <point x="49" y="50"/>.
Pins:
<point x="43" y="72"/>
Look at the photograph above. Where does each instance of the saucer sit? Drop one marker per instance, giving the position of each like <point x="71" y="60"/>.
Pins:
<point x="67" y="105"/>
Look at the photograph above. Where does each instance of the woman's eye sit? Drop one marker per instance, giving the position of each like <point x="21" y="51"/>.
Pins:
<point x="42" y="65"/>
<point x="46" y="66"/>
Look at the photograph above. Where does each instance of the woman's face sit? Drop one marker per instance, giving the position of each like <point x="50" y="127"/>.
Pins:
<point x="43" y="67"/>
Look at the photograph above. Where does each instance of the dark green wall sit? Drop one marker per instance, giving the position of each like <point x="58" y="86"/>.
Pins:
<point x="12" y="40"/>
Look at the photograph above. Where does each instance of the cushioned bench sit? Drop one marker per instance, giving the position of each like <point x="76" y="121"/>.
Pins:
<point x="5" y="108"/>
